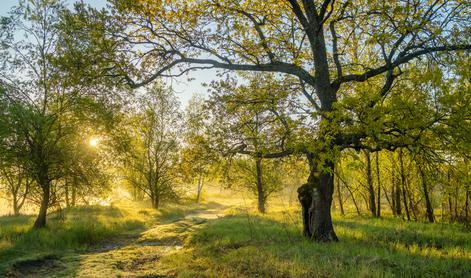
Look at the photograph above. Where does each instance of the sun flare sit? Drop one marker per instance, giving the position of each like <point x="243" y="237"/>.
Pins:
<point x="93" y="142"/>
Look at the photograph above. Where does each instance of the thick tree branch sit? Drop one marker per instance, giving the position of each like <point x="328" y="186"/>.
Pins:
<point x="335" y="50"/>
<point x="297" y="10"/>
<point x="270" y="67"/>
<point x="402" y="59"/>
<point x="281" y="154"/>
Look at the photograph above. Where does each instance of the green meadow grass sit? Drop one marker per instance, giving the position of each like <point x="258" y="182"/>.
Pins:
<point x="241" y="243"/>
<point x="252" y="245"/>
<point x="76" y="230"/>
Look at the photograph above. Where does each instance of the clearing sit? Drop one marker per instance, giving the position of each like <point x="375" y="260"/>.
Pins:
<point x="226" y="238"/>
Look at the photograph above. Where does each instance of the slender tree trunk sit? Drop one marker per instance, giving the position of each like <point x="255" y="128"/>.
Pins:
<point x="456" y="204"/>
<point x="410" y="196"/>
<point x="398" y="199"/>
<point x="351" y="195"/>
<point x="16" y="209"/>
<point x="199" y="188"/>
<point x="466" y="202"/>
<point x="396" y="188"/>
<point x="369" y="181"/>
<point x="466" y="206"/>
<point x="403" y="183"/>
<point x="20" y="203"/>
<point x="260" y="192"/>
<point x="41" y="219"/>
<point x="134" y="193"/>
<point x="339" y="196"/>
<point x="155" y="202"/>
<point x="450" y="205"/>
<point x="393" y="192"/>
<point x="67" y="197"/>
<point x="404" y="198"/>
<point x="74" y="192"/>
<point x="450" y="208"/>
<point x="428" y="203"/>
<point x="388" y="199"/>
<point x="378" y="176"/>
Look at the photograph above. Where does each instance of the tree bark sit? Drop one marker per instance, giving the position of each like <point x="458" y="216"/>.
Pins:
<point x="378" y="176"/>
<point x="456" y="203"/>
<point x="321" y="219"/>
<point x="339" y="196"/>
<point x="396" y="189"/>
<point x="67" y="197"/>
<point x="369" y="181"/>
<point x="397" y="197"/>
<point x="428" y="203"/>
<point x="260" y="192"/>
<point x="450" y="205"/>
<point x="74" y="192"/>
<point x="155" y="202"/>
<point x="199" y="188"/>
<point x="403" y="183"/>
<point x="450" y="208"/>
<point x="305" y="198"/>
<point x="393" y="191"/>
<point x="319" y="190"/>
<point x="41" y="219"/>
<point x="16" y="209"/>
<point x="466" y="206"/>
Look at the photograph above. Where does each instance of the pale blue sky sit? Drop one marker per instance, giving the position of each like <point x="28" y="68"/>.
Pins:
<point x="183" y="88"/>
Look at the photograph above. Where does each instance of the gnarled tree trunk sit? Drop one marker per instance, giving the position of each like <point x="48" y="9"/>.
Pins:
<point x="316" y="200"/>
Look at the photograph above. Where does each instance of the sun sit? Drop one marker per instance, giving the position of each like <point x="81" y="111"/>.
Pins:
<point x="93" y="142"/>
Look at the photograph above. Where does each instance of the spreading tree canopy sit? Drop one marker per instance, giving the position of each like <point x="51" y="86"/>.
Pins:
<point x="332" y="48"/>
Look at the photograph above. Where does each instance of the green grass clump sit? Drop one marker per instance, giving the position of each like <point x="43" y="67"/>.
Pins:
<point x="243" y="245"/>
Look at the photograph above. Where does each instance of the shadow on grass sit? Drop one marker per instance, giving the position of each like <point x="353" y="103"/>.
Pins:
<point x="261" y="246"/>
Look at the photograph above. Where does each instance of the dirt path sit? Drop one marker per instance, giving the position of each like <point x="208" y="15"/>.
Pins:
<point x="140" y="256"/>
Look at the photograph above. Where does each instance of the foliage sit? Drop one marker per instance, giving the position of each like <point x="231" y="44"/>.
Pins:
<point x="152" y="158"/>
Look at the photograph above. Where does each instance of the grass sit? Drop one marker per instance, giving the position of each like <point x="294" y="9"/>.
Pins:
<point x="241" y="243"/>
<point x="76" y="230"/>
<point x="244" y="245"/>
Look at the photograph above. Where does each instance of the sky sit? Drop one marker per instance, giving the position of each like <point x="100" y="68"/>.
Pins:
<point x="183" y="88"/>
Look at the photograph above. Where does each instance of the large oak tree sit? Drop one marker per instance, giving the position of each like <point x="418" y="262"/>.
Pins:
<point x="329" y="46"/>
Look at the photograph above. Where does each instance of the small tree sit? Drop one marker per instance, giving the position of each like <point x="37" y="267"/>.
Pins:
<point x="252" y="119"/>
<point x="43" y="132"/>
<point x="197" y="156"/>
<point x="152" y="158"/>
<point x="261" y="179"/>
